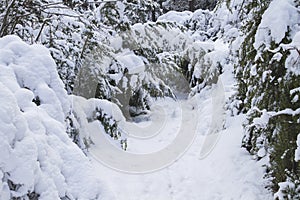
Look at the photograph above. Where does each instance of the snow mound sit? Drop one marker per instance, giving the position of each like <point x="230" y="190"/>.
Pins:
<point x="37" y="158"/>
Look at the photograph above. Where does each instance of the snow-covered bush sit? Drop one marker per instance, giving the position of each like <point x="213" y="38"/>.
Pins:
<point x="38" y="160"/>
<point x="69" y="30"/>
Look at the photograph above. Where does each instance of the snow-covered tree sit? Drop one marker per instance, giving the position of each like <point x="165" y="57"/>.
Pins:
<point x="266" y="78"/>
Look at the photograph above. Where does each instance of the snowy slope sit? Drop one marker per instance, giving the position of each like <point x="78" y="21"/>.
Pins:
<point x="37" y="158"/>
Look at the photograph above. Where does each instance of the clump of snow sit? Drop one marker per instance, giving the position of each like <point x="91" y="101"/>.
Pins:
<point x="253" y="70"/>
<point x="262" y="120"/>
<point x="296" y="41"/>
<point x="36" y="155"/>
<point x="85" y="112"/>
<point x="274" y="27"/>
<point x="160" y="36"/>
<point x="174" y="16"/>
<point x="284" y="186"/>
<point x="297" y="152"/>
<point x="133" y="63"/>
<point x="292" y="61"/>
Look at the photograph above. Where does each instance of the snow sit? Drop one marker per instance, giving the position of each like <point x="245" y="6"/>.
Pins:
<point x="161" y="36"/>
<point x="174" y="16"/>
<point x="35" y="152"/>
<point x="283" y="186"/>
<point x="133" y="63"/>
<point x="292" y="61"/>
<point x="297" y="152"/>
<point x="274" y="27"/>
<point x="213" y="165"/>
<point x="253" y="70"/>
<point x="262" y="120"/>
<point x="207" y="163"/>
<point x="296" y="41"/>
<point x="188" y="149"/>
<point x="84" y="111"/>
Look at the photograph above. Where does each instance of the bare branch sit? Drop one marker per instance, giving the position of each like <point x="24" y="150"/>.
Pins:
<point x="4" y="23"/>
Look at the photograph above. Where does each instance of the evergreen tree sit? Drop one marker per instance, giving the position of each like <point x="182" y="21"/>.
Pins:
<point x="265" y="85"/>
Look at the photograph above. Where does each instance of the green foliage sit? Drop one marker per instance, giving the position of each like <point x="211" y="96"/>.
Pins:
<point x="110" y="126"/>
<point x="248" y="53"/>
<point x="264" y="86"/>
<point x="291" y="190"/>
<point x="282" y="163"/>
<point x="73" y="131"/>
<point x="112" y="15"/>
<point x="141" y="11"/>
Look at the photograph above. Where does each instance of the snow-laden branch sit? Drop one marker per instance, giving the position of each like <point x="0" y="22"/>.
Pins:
<point x="266" y="115"/>
<point x="287" y="111"/>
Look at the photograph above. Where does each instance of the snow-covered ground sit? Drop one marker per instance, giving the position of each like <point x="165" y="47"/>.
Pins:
<point x="190" y="148"/>
<point x="214" y="166"/>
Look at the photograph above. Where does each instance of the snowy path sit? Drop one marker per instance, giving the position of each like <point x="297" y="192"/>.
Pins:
<point x="201" y="172"/>
<point x="129" y="161"/>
